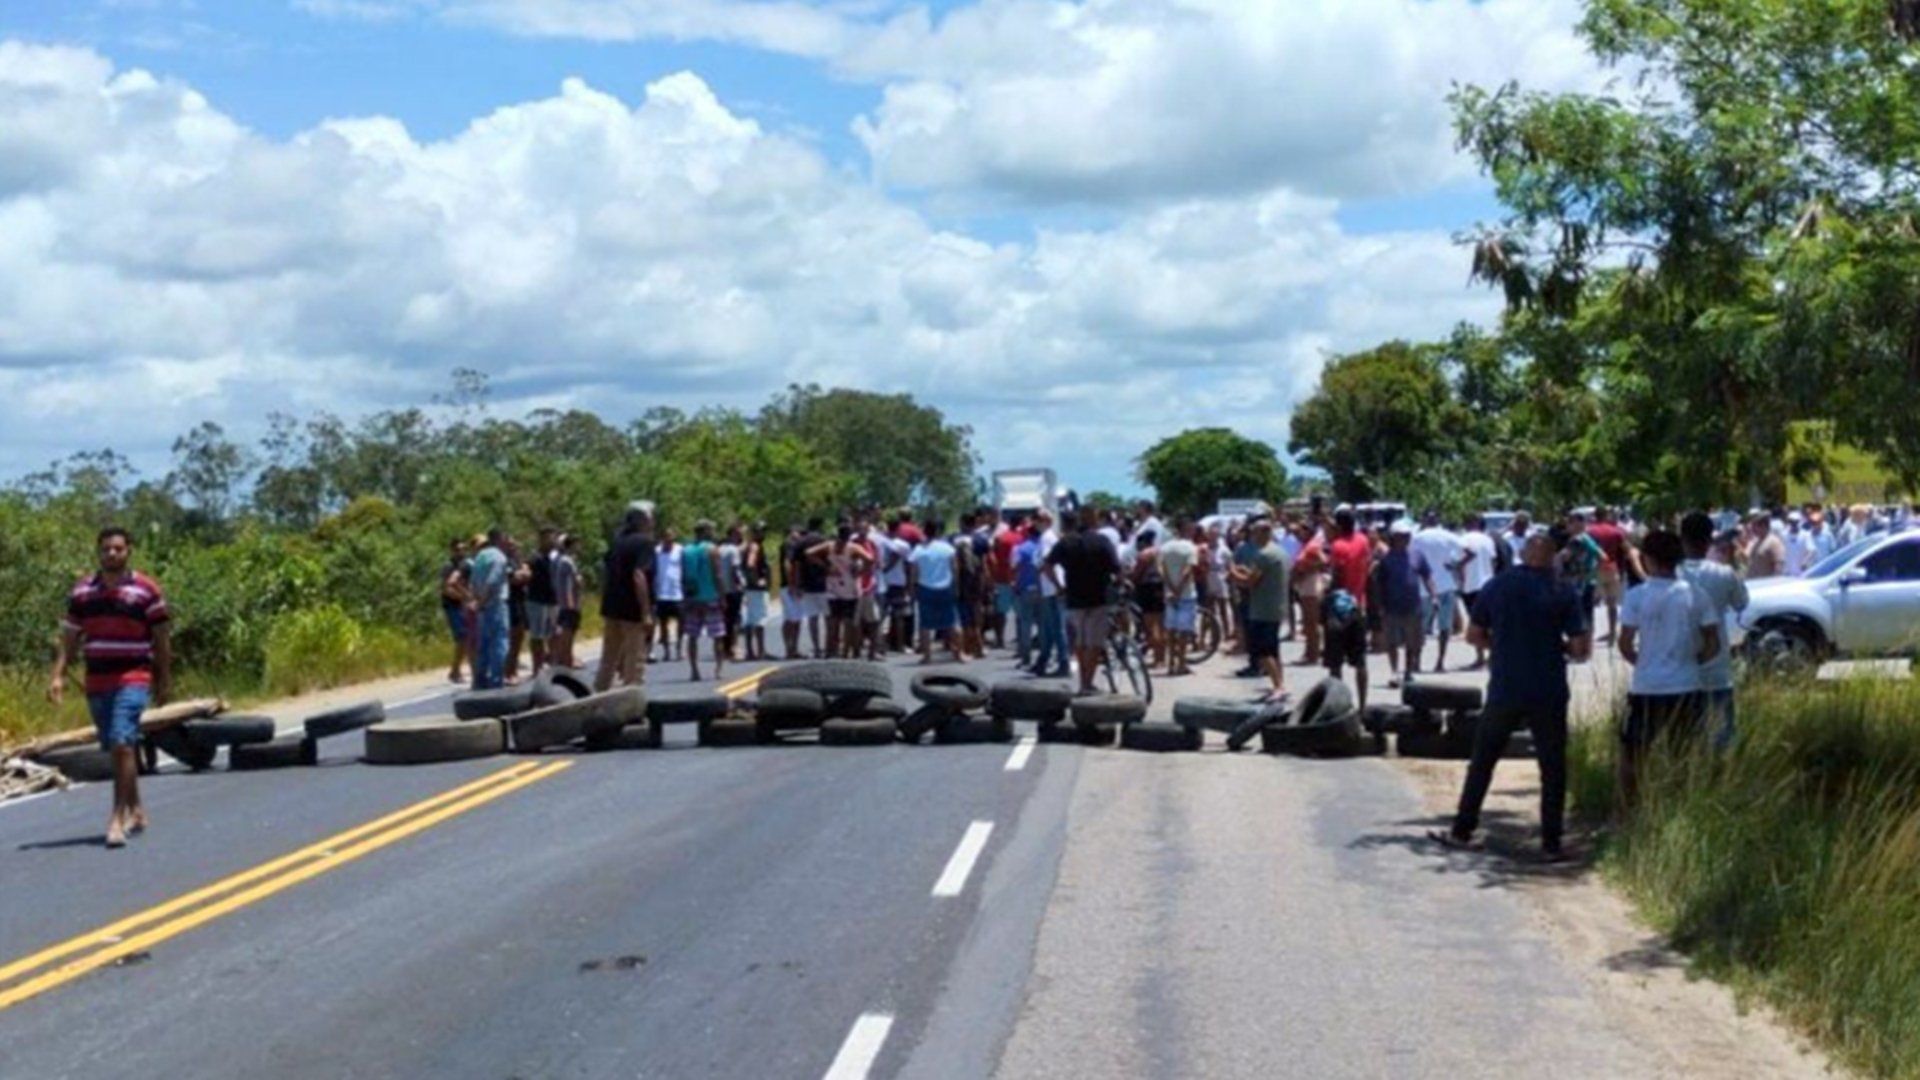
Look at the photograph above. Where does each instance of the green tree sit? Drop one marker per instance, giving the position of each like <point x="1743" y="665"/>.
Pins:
<point x="1731" y="240"/>
<point x="1192" y="471"/>
<point x="1379" y="414"/>
<point x="898" y="452"/>
<point x="208" y="468"/>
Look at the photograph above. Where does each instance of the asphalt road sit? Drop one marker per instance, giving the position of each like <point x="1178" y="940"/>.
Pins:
<point x="779" y="912"/>
<point x="680" y="913"/>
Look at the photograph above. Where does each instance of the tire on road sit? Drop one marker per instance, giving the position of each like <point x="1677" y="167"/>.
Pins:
<point x="959" y="729"/>
<point x="833" y="678"/>
<point x="1387" y="719"/>
<point x="231" y="730"/>
<point x="1245" y="731"/>
<point x="340" y="721"/>
<point x="1023" y="699"/>
<point x="434" y="739"/>
<point x="1161" y="738"/>
<point x="1440" y="697"/>
<point x="492" y="704"/>
<point x="81" y="764"/>
<point x="870" y="709"/>
<point x="602" y="715"/>
<point x="783" y="710"/>
<point x="631" y="737"/>
<point x="1329" y="700"/>
<point x="844" y="732"/>
<point x="555" y="682"/>
<point x="688" y="708"/>
<point x="915" y="725"/>
<point x="284" y="752"/>
<point x="1337" y="738"/>
<point x="735" y="732"/>
<point x="1224" y="715"/>
<point x="176" y="744"/>
<point x="1100" y="709"/>
<point x="954" y="690"/>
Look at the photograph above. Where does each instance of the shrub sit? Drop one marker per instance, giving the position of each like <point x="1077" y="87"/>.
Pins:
<point x="1790" y="863"/>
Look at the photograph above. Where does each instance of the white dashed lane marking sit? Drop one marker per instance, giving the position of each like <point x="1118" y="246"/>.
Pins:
<point x="953" y="880"/>
<point x="857" y="1054"/>
<point x="1021" y="753"/>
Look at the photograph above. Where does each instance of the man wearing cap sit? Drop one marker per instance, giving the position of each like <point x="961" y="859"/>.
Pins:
<point x="1532" y="624"/>
<point x="626" y="598"/>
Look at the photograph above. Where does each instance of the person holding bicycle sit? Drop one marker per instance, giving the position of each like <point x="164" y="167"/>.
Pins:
<point x="1085" y="568"/>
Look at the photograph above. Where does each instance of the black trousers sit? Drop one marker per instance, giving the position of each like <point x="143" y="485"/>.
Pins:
<point x="1548" y="723"/>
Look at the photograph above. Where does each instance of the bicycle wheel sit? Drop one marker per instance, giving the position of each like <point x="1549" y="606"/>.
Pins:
<point x="1126" y="668"/>
<point x="1206" y="639"/>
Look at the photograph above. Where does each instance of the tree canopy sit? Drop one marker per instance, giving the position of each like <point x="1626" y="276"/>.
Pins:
<point x="1192" y="471"/>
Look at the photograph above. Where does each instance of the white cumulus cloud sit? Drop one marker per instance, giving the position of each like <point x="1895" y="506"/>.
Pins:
<point x="161" y="264"/>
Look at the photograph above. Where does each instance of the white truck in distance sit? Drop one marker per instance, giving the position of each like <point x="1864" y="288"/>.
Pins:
<point x="1020" y="493"/>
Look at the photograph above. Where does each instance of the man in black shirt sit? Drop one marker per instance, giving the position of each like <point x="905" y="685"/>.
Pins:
<point x="1085" y="567"/>
<point x="813" y="580"/>
<point x="626" y="598"/>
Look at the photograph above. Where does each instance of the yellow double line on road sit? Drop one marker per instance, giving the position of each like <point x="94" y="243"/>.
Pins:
<point x="142" y="930"/>
<point x="744" y="686"/>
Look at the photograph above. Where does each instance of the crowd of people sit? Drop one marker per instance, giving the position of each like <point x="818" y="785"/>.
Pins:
<point x="1049" y="590"/>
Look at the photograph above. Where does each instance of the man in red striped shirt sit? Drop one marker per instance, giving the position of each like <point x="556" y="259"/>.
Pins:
<point x="117" y="620"/>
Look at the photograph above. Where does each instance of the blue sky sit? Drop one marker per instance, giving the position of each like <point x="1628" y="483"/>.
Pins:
<point x="1077" y="226"/>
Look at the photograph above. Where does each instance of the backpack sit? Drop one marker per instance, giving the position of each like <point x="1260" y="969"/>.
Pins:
<point x="1340" y="610"/>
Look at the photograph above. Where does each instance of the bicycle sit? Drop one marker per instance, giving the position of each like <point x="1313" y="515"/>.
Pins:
<point x="1124" y="658"/>
<point x="1207" y="634"/>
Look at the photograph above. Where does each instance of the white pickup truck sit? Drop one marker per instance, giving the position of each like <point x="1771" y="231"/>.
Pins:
<point x="1860" y="603"/>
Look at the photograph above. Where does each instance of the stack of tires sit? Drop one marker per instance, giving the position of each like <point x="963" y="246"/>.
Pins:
<point x="1097" y="720"/>
<point x="556" y="709"/>
<point x="1440" y="722"/>
<point x="1045" y="704"/>
<point x="950" y="708"/>
<point x="848" y="702"/>
<point x="1323" y="724"/>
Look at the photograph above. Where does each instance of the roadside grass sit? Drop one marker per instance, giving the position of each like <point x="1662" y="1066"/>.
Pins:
<point x="314" y="649"/>
<point x="1789" y="865"/>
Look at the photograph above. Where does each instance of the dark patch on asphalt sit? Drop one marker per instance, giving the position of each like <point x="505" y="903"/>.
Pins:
<point x="628" y="962"/>
<point x="131" y="959"/>
<point x="792" y="966"/>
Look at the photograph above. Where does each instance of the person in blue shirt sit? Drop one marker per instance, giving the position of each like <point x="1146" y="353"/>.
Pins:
<point x="1534" y="624"/>
<point x="1404" y="581"/>
<point x="1027" y="598"/>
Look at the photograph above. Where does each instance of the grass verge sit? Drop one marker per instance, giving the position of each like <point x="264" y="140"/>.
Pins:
<point x="1789" y="865"/>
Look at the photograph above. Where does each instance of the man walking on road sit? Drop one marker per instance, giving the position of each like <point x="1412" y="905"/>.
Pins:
<point x="566" y="594"/>
<point x="118" y="621"/>
<point x="488" y="582"/>
<point x="1533" y="625"/>
<point x="1084" y="568"/>
<point x="1053" y="626"/>
<point x="542" y="602"/>
<point x="626" y="599"/>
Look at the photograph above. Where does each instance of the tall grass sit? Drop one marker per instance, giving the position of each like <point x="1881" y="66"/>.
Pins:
<point x="1788" y="865"/>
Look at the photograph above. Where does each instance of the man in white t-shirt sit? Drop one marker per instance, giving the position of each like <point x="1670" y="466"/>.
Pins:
<point x="1053" y="614"/>
<point x="1727" y="593"/>
<point x="1669" y="630"/>
<point x="1482" y="554"/>
<point x="1447" y="558"/>
<point x="1180" y="568"/>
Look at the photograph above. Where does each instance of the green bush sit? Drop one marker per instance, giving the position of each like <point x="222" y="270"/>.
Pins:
<point x="1789" y="865"/>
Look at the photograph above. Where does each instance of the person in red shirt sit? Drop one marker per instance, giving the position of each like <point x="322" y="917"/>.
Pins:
<point x="117" y="620"/>
<point x="1000" y="572"/>
<point x="1621" y="562"/>
<point x="1350" y="556"/>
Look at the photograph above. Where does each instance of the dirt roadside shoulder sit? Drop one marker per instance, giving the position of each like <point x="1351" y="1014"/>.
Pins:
<point x="1694" y="1027"/>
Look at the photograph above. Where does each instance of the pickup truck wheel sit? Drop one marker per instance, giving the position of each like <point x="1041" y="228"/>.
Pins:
<point x="1787" y="651"/>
